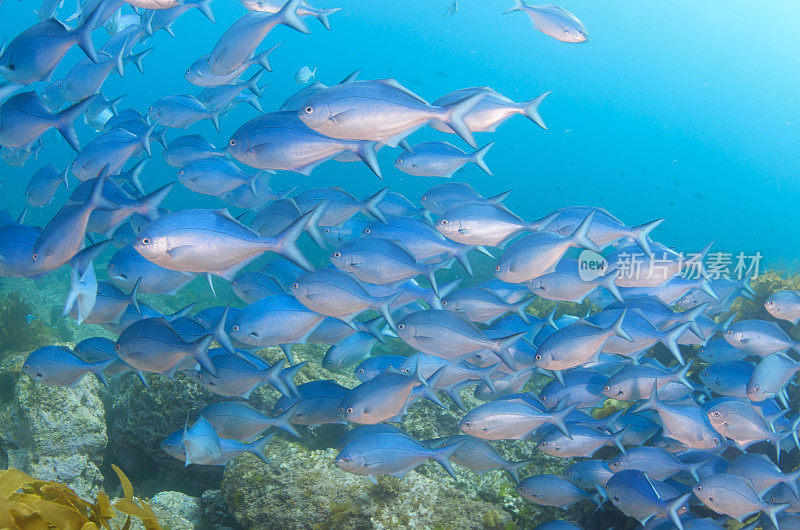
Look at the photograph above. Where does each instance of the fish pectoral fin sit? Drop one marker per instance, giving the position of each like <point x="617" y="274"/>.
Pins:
<point x="178" y="252"/>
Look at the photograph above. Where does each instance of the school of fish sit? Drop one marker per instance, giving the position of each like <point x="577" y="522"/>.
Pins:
<point x="701" y="411"/>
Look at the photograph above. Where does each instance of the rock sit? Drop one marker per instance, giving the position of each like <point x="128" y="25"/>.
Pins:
<point x="53" y="433"/>
<point x="179" y="504"/>
<point x="309" y="491"/>
<point x="215" y="510"/>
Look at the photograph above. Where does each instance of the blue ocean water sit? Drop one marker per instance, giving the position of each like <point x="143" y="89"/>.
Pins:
<point x="684" y="110"/>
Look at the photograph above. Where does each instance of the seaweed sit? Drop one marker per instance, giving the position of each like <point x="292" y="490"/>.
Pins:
<point x="18" y="331"/>
<point x="26" y="502"/>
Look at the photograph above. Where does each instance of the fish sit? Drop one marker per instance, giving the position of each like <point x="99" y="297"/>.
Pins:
<point x="762" y="473"/>
<point x="185" y="149"/>
<point x="380" y="110"/>
<point x="656" y="462"/>
<point x="63" y="235"/>
<point x="33" y="54"/>
<point x="784" y="305"/>
<point x="59" y="366"/>
<point x="228" y="449"/>
<point x="582" y="440"/>
<point x="770" y="377"/>
<point x="451" y="336"/>
<point x="304" y="9"/>
<point x="304" y="75"/>
<point x="734" y="496"/>
<point x="484" y="223"/>
<point x="635" y="382"/>
<point x="492" y="110"/>
<point x="728" y="378"/>
<point x="587" y="474"/>
<point x="200" y="74"/>
<point x="745" y="426"/>
<point x="636" y="496"/>
<point x="440" y="159"/>
<point x="759" y="337"/>
<point x="113" y="149"/>
<point x="348" y="352"/>
<point x="554" y="21"/>
<point x="388" y="453"/>
<point x="687" y="423"/>
<point x="314" y="403"/>
<point x="201" y="443"/>
<point x="251" y="286"/>
<point x="232" y="376"/>
<point x="337" y="294"/>
<point x="478" y="455"/>
<point x="24" y="119"/>
<point x="215" y="176"/>
<point x="153" y="345"/>
<point x="212" y="241"/>
<point x="44" y="184"/>
<point x="239" y="421"/>
<point x="181" y="111"/>
<point x="239" y="41"/>
<point x="280" y="140"/>
<point x="508" y="419"/>
<point x="551" y="490"/>
<point x="538" y="253"/>
<point x="127" y="266"/>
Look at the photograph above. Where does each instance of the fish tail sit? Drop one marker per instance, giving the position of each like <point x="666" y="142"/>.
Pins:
<point x="262" y="59"/>
<point x="609" y="283"/>
<point x="145" y="140"/>
<point x="132" y="296"/>
<point x="446" y="289"/>
<point x="133" y="176"/>
<point x="200" y="353"/>
<point x="385" y="308"/>
<point x="259" y="448"/>
<point x="558" y="419"/>
<point x="640" y="234"/>
<point x="428" y="390"/>
<point x="213" y="116"/>
<point x="222" y="337"/>
<point x="453" y="116"/>
<point x="83" y="33"/>
<point x="119" y="61"/>
<point x="519" y="5"/>
<point x="673" y="506"/>
<point x="322" y="15"/>
<point x="137" y="59"/>
<point x="513" y="468"/>
<point x="791" y="481"/>
<point x="272" y="375"/>
<point x="477" y="158"/>
<point x="253" y="101"/>
<point x="285" y="243"/>
<point x="113" y="103"/>
<point x="705" y="286"/>
<point x="312" y="228"/>
<point x="367" y="151"/>
<point x="430" y="274"/>
<point x="204" y="6"/>
<point x="284" y="421"/>
<point x="461" y="254"/>
<point x="500" y="348"/>
<point x="288" y="16"/>
<point x="72" y="297"/>
<point x="65" y="121"/>
<point x="443" y="454"/>
<point x="616" y="438"/>
<point x="150" y="203"/>
<point x="681" y="375"/>
<point x="670" y="340"/>
<point x="371" y="205"/>
<point x="772" y="510"/>
<point x="486" y="376"/>
<point x="252" y="84"/>
<point x="691" y="316"/>
<point x="98" y="369"/>
<point x="287" y="375"/>
<point x="580" y="236"/>
<point x="520" y="308"/>
<point x="182" y="312"/>
<point x="652" y="402"/>
<point x="530" y="109"/>
<point x="617" y="329"/>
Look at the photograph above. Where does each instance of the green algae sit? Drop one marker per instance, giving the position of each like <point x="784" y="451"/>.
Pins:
<point x="16" y="333"/>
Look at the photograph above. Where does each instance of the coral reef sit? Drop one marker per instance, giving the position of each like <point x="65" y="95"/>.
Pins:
<point x="53" y="433"/>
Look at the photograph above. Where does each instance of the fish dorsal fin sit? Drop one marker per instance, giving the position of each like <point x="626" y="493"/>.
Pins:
<point x="395" y="84"/>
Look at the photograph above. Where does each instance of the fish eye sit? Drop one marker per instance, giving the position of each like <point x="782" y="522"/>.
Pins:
<point x="467" y="424"/>
<point x="615" y="464"/>
<point x="729" y="332"/>
<point x="444" y="302"/>
<point x="232" y="142"/>
<point x="145" y="241"/>
<point x="35" y="256"/>
<point x="497" y="268"/>
<point x="180" y="172"/>
<point x="117" y="347"/>
<point x="699" y="487"/>
<point x="367" y="230"/>
<point x="755" y="388"/>
<point x="399" y="161"/>
<point x="337" y="254"/>
<point x="235" y="327"/>
<point x="405" y="370"/>
<point x="349" y="410"/>
<point x="150" y="109"/>
<point x="715" y="440"/>
<point x="295" y="285"/>
<point x="543" y="398"/>
<point x="443" y="221"/>
<point x="538" y="357"/>
<point x="542" y="443"/>
<point x="401" y="326"/>
<point x="715" y="413"/>
<point x="309" y="109"/>
<point x="424" y="197"/>
<point x="327" y="230"/>
<point x="360" y="370"/>
<point x="606" y="388"/>
<point x="346" y="459"/>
